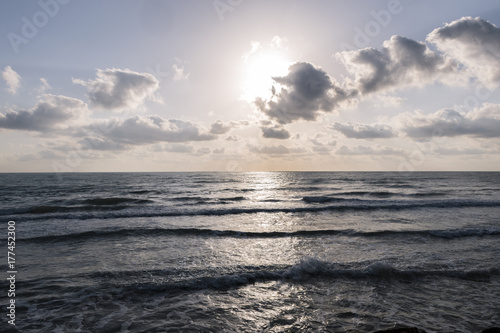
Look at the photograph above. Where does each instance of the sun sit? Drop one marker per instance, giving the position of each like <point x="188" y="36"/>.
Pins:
<point x="259" y="69"/>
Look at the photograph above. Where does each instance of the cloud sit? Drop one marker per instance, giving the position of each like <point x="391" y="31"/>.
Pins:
<point x="362" y="131"/>
<point x="139" y="130"/>
<point x="306" y="91"/>
<point x="44" y="86"/>
<point x="232" y="138"/>
<point x="99" y="143"/>
<point x="49" y="113"/>
<point x="466" y="48"/>
<point x="482" y="123"/>
<point x="368" y="150"/>
<point x="219" y="151"/>
<point x="474" y="42"/>
<point x="202" y="151"/>
<point x="220" y="128"/>
<point x="43" y="154"/>
<point x="320" y="147"/>
<point x="275" y="132"/>
<point x="179" y="74"/>
<point x="12" y="79"/>
<point x="175" y="148"/>
<point x="275" y="150"/>
<point x="400" y="62"/>
<point x="118" y="89"/>
<point x="464" y="151"/>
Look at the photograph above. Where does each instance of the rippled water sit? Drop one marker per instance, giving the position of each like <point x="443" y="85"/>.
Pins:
<point x="254" y="252"/>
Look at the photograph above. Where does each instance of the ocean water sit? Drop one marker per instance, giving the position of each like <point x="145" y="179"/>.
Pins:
<point x="253" y="252"/>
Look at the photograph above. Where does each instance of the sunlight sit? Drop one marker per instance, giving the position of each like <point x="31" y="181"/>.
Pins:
<point x="259" y="70"/>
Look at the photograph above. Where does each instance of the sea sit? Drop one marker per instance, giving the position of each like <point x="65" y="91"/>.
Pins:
<point x="251" y="251"/>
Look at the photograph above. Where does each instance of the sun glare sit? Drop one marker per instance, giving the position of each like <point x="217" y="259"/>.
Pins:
<point x="259" y="70"/>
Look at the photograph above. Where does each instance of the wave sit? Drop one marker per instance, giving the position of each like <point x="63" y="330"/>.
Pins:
<point x="114" y="201"/>
<point x="312" y="267"/>
<point x="232" y="199"/>
<point x="320" y="199"/>
<point x="144" y="192"/>
<point x="38" y="210"/>
<point x="197" y="232"/>
<point x="378" y="194"/>
<point x="86" y="205"/>
<point x="307" y="269"/>
<point x="104" y="211"/>
<point x="428" y="194"/>
<point x="184" y="198"/>
<point x="389" y="194"/>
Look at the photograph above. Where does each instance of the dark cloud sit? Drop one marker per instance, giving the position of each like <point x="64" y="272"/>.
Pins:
<point x="362" y="131"/>
<point x="306" y="91"/>
<point x="401" y="61"/>
<point x="119" y="89"/>
<point x="49" y="113"/>
<point x="482" y="123"/>
<point x="275" y="132"/>
<point x="140" y="130"/>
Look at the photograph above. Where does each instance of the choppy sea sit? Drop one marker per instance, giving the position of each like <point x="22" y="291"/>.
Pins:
<point x="253" y="252"/>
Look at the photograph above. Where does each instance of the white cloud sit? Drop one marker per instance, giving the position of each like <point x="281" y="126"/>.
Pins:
<point x="465" y="151"/>
<point x="179" y="74"/>
<point x="202" y="151"/>
<point x="220" y="127"/>
<point x="321" y="147"/>
<point x="474" y="42"/>
<point x="50" y="112"/>
<point x="483" y="122"/>
<point x="44" y="86"/>
<point x="175" y="148"/>
<point x="362" y="131"/>
<point x="275" y="150"/>
<point x="140" y="130"/>
<point x="368" y="150"/>
<point x="119" y="89"/>
<point x="12" y="79"/>
<point x="100" y="143"/>
<point x="279" y="42"/>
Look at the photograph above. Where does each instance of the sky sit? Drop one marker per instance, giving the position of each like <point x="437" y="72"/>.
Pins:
<point x="249" y="85"/>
